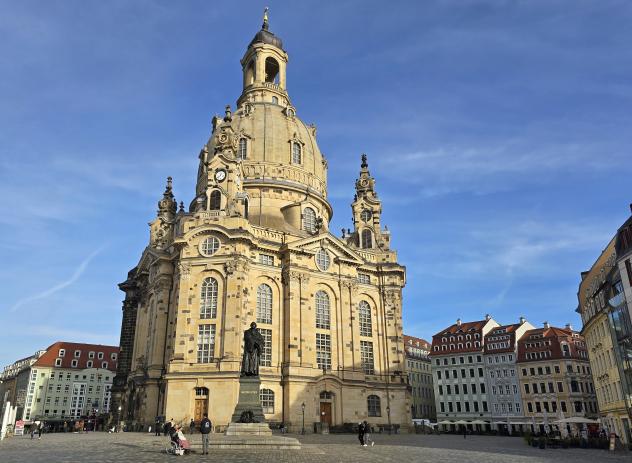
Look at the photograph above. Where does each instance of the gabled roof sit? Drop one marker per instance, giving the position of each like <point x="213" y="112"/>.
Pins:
<point x="49" y="358"/>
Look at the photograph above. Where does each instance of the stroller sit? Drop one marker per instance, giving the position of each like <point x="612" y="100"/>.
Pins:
<point x="177" y="446"/>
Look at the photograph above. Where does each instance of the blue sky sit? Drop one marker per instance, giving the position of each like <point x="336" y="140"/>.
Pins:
<point x="498" y="132"/>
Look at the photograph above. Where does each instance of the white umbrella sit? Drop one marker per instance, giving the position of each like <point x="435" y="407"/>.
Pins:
<point x="562" y="425"/>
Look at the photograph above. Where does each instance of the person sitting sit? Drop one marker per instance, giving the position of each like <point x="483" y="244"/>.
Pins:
<point x="178" y="437"/>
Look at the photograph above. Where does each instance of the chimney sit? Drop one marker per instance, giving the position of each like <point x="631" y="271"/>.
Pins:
<point x="488" y="317"/>
<point x="569" y="327"/>
<point x="546" y="325"/>
<point x="458" y="322"/>
<point x="522" y="320"/>
<point x="630" y="207"/>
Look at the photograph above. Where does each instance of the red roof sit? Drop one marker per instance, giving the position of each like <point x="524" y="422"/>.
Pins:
<point x="464" y="334"/>
<point x="491" y="339"/>
<point x="412" y="343"/>
<point x="546" y="344"/>
<point x="52" y="354"/>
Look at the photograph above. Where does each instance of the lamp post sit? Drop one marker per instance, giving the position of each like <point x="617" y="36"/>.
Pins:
<point x="303" y="410"/>
<point x="388" y="415"/>
<point x="118" y="425"/>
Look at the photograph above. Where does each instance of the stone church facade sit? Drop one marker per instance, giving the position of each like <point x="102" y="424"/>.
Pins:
<point x="255" y="245"/>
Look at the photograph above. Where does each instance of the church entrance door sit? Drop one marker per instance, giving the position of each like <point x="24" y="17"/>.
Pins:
<point x="201" y="407"/>
<point x="325" y="412"/>
<point x="201" y="403"/>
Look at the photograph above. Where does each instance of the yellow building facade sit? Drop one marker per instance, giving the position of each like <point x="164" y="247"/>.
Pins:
<point x="255" y="245"/>
<point x="593" y="295"/>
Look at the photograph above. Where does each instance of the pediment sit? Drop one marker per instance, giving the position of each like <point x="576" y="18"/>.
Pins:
<point x="339" y="249"/>
<point x="149" y="257"/>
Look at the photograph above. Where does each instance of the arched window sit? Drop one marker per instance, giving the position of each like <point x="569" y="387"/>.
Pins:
<point x="322" y="310"/>
<point x="296" y="152"/>
<point x="208" y="298"/>
<point x="266" y="396"/>
<point x="243" y="148"/>
<point x="367" y="239"/>
<point x="275" y="100"/>
<point x="366" y="328"/>
<point x="374" y="405"/>
<point x="216" y="200"/>
<point x="309" y="220"/>
<point x="201" y="392"/>
<point x="264" y="304"/>
<point x="272" y="70"/>
<point x="322" y="259"/>
<point x="250" y="73"/>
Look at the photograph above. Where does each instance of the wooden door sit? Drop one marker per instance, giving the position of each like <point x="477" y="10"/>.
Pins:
<point x="325" y="412"/>
<point x="201" y="407"/>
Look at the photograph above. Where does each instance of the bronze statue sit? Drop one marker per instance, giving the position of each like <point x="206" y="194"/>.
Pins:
<point x="253" y="345"/>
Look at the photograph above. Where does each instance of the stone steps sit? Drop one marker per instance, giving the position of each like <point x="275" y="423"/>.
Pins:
<point x="248" y="442"/>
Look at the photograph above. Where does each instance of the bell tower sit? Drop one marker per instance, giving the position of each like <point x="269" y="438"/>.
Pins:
<point x="367" y="210"/>
<point x="264" y="65"/>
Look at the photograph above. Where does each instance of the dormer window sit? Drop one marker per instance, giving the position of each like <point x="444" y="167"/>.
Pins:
<point x="62" y="352"/>
<point x="309" y="220"/>
<point x="100" y="355"/>
<point x="243" y="149"/>
<point x="89" y="364"/>
<point x="74" y="363"/>
<point x="297" y="153"/>
<point x="77" y="353"/>
<point x="90" y="355"/>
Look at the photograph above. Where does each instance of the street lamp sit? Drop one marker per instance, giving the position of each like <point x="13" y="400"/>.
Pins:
<point x="303" y="410"/>
<point x="388" y="414"/>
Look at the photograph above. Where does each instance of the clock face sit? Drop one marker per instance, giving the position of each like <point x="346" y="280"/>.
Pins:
<point x="220" y="175"/>
<point x="365" y="215"/>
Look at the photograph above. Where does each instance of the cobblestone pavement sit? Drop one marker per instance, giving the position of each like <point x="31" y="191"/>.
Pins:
<point x="142" y="448"/>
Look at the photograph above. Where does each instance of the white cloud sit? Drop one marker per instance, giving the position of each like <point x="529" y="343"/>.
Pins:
<point x="81" y="268"/>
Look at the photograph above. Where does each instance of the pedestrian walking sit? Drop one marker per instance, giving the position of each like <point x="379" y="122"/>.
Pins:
<point x="39" y="431"/>
<point x="361" y="433"/>
<point x="32" y="431"/>
<point x="205" y="430"/>
<point x="367" y="434"/>
<point x="157" y="430"/>
<point x="192" y="426"/>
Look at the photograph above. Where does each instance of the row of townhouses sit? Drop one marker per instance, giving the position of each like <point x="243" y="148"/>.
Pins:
<point x="510" y="378"/>
<point x="63" y="383"/>
<point x="605" y="305"/>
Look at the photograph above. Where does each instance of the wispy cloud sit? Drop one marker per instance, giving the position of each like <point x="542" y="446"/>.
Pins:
<point x="81" y="268"/>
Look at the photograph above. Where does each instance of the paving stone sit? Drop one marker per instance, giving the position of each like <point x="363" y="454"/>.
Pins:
<point x="333" y="448"/>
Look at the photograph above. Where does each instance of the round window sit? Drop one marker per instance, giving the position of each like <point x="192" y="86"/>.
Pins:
<point x="322" y="259"/>
<point x="366" y="215"/>
<point x="209" y="246"/>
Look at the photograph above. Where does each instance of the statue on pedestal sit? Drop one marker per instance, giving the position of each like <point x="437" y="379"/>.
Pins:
<point x="253" y="346"/>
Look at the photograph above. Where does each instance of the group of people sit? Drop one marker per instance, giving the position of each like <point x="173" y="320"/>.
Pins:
<point x="364" y="434"/>
<point x="177" y="437"/>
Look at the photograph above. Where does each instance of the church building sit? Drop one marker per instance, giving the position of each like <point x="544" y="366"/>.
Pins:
<point x="254" y="245"/>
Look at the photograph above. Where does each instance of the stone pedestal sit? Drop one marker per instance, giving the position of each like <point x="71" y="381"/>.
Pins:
<point x="249" y="400"/>
<point x="248" y="429"/>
